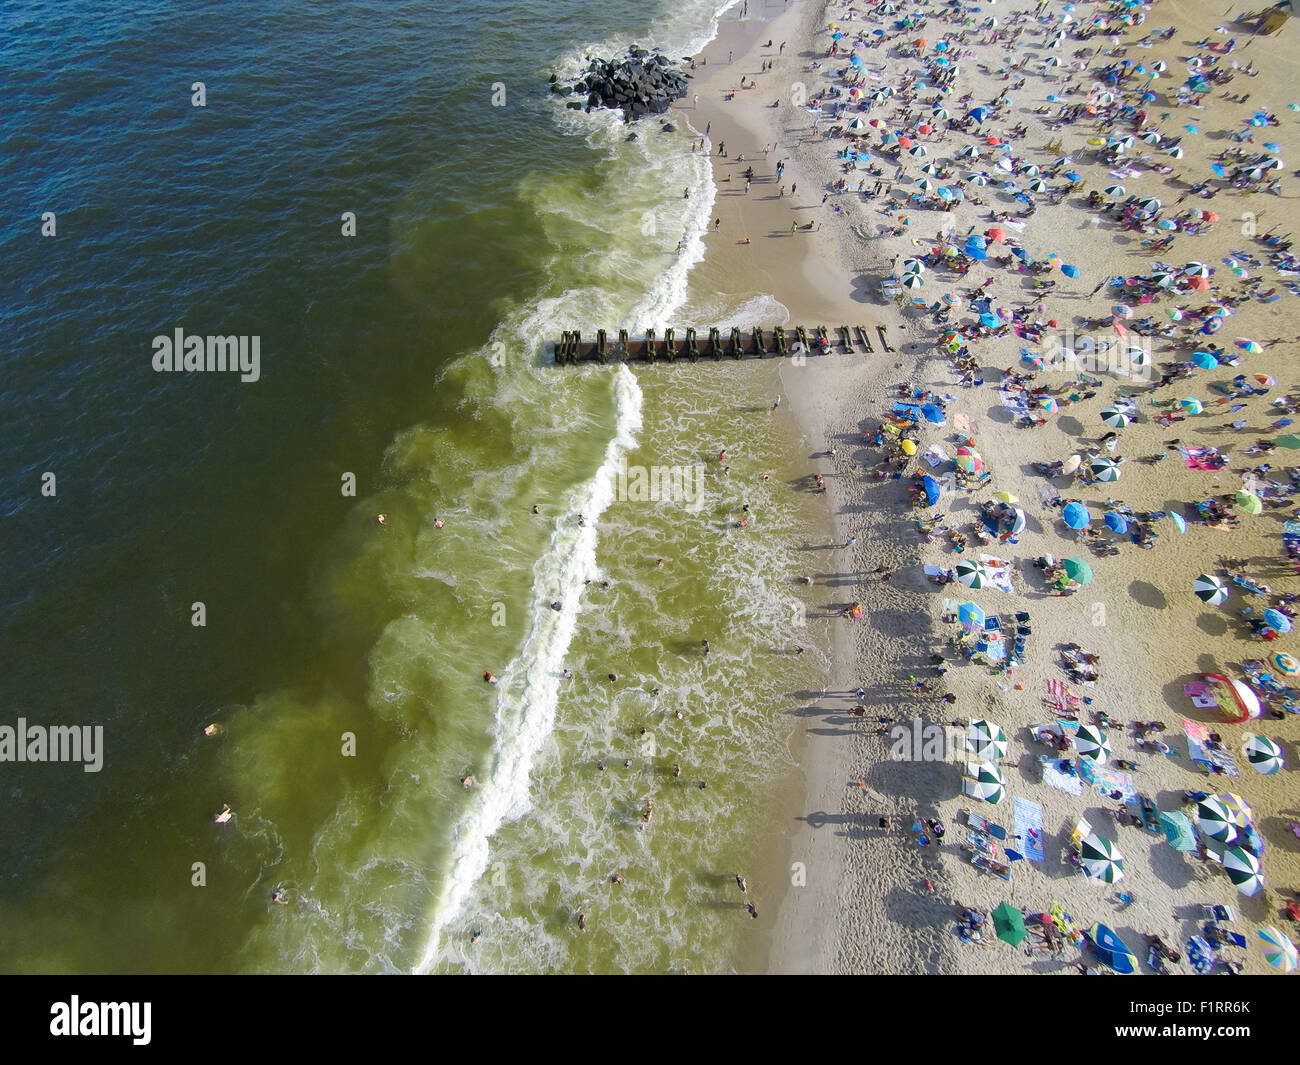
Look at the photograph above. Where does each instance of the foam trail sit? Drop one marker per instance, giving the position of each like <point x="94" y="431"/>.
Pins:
<point x="528" y="691"/>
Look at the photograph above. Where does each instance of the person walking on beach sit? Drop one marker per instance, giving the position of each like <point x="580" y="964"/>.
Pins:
<point x="850" y="541"/>
<point x="776" y="402"/>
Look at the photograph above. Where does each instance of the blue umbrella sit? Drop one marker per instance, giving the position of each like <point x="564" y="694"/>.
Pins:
<point x="970" y="614"/>
<point x="1111" y="950"/>
<point x="931" y="413"/>
<point x="931" y="487"/>
<point x="1201" y="955"/>
<point x="1070" y="271"/>
<point x="979" y="114"/>
<point x="1204" y="360"/>
<point x="945" y="193"/>
<point x="1020" y="253"/>
<point x="978" y="254"/>
<point x="1116" y="523"/>
<point x="1076" y="516"/>
<point x="1072" y="175"/>
<point x="1275" y="619"/>
<point x="1180" y="523"/>
<point x="1218" y="170"/>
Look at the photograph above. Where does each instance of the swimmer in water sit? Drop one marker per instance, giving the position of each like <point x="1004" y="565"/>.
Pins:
<point x="740" y="883"/>
<point x="567" y="674"/>
<point x="382" y="518"/>
<point x="438" y="523"/>
<point x="489" y="677"/>
<point x="467" y="783"/>
<point x="557" y="605"/>
<point x="659" y="563"/>
<point x="212" y="729"/>
<point x="677" y="770"/>
<point x="749" y="906"/>
<point x="582" y="922"/>
<point x="627" y="764"/>
<point x="600" y="766"/>
<point x="225" y="815"/>
<point x="705" y="643"/>
<point x="475" y="936"/>
<point x="277" y="896"/>
<point x="616" y="878"/>
<point x="536" y="509"/>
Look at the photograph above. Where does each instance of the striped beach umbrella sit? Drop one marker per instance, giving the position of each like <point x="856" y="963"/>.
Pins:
<point x="1243" y="870"/>
<point x="971" y="574"/>
<point x="1176" y="152"/>
<point x="1031" y="170"/>
<point x="1116" y="418"/>
<point x="1092" y="743"/>
<point x="968" y="152"/>
<point x="1215" y="820"/>
<point x="929" y="168"/>
<point x="1104" y="469"/>
<point x="1151" y="137"/>
<point x="1191" y="404"/>
<point x="914" y="266"/>
<point x="1210" y="589"/>
<point x="1285" y="664"/>
<point x="1237" y="807"/>
<point x="1278" y="949"/>
<point x="1163" y="279"/>
<point x="978" y="180"/>
<point x="913" y="281"/>
<point x="1122" y="310"/>
<point x="1149" y="204"/>
<point x="986" y="741"/>
<point x="918" y="150"/>
<point x="1196" y="269"/>
<point x="925" y="185"/>
<point x="1101" y="859"/>
<point x="941" y="113"/>
<point x="1115" y="190"/>
<point x="1265" y="755"/>
<point x="1037" y="185"/>
<point x="985" y="782"/>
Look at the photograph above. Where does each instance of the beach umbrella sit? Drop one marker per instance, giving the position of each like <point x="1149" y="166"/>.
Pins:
<point x="1048" y="404"/>
<point x="1267" y="380"/>
<point x="1180" y="523"/>
<point x="1111" y="951"/>
<point x="908" y="447"/>
<point x="986" y="741"/>
<point x="929" y="168"/>
<point x="1191" y="404"/>
<point x="1009" y="925"/>
<point x="1151" y="137"/>
<point x="1052" y="61"/>
<point x="1265" y="755"/>
<point x="1285" y="664"/>
<point x="1243" y="870"/>
<point x="1214" y="324"/>
<point x="989" y="320"/>
<point x="1076" y="516"/>
<point x="941" y="113"/>
<point x="925" y="185"/>
<point x="1176" y="152"/>
<point x="995" y="234"/>
<point x="1204" y="360"/>
<point x="1031" y="170"/>
<point x="1290" y="440"/>
<point x="914" y="266"/>
<point x="1196" y="269"/>
<point x="1005" y="497"/>
<point x="985" y="782"/>
<point x="1116" y="523"/>
<point x="1104" y="469"/>
<point x="931" y="487"/>
<point x="1122" y="310"/>
<point x="913" y="281"/>
<point x="857" y="123"/>
<point x="1215" y="820"/>
<point x="968" y="152"/>
<point x="1278" y="949"/>
<point x="1163" y="279"/>
<point x="971" y="463"/>
<point x="1101" y="859"/>
<point x="979" y="114"/>
<point x="1249" y="502"/>
<point x="1115" y="417"/>
<point x="918" y="151"/>
<point x="969" y="613"/>
<point x="1238" y="807"/>
<point x="1037" y="185"/>
<point x="1077" y="570"/>
<point x="1070" y="271"/>
<point x="1275" y="619"/>
<point x="1210" y="589"/>
<point x="945" y="193"/>
<point x="932" y="413"/>
<point x="1115" y="190"/>
<point x="1092" y="743"/>
<point x="1149" y="204"/>
<point x="971" y="573"/>
<point x="1167" y="224"/>
<point x="1179" y="832"/>
<point x="1248" y="345"/>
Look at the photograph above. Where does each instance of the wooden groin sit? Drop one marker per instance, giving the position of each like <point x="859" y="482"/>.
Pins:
<point x="571" y="349"/>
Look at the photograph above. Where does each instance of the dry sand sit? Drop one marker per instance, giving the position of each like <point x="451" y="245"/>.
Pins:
<point x="861" y="907"/>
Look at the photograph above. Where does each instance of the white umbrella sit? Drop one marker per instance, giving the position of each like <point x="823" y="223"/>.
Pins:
<point x="970" y="573"/>
<point x="978" y="179"/>
<point x="1114" y="190"/>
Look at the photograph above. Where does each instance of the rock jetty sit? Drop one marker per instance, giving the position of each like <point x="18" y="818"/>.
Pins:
<point x="641" y="83"/>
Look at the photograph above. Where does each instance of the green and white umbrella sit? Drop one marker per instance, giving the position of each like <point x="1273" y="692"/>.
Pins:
<point x="984" y="782"/>
<point x="1116" y="418"/>
<point x="913" y="266"/>
<point x="941" y="113"/>
<point x="1196" y="269"/>
<point x="1092" y="742"/>
<point x="1101" y="859"/>
<point x="1210" y="589"/>
<point x="1114" y="190"/>
<point x="969" y="152"/>
<point x="913" y="281"/>
<point x="1265" y="755"/>
<point x="971" y="573"/>
<point x="918" y="151"/>
<point x="1104" y="469"/>
<point x="1278" y="949"/>
<point x="986" y="741"/>
<point x="1242" y="868"/>
<point x="978" y="180"/>
<point x="1037" y="185"/>
<point x="1031" y="170"/>
<point x="1215" y="820"/>
<point x="857" y="123"/>
<point x="925" y="184"/>
<point x="929" y="168"/>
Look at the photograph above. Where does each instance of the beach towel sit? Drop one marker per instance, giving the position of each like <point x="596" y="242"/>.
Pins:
<point x="1201" y="955"/>
<point x="1108" y="780"/>
<point x="1206" y="758"/>
<point x="1054" y="778"/>
<point x="1029" y="827"/>
<point x="963" y="424"/>
<point x="1195" y="730"/>
<point x="936" y="457"/>
<point x="999" y="571"/>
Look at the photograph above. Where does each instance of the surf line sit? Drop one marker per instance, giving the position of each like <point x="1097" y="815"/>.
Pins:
<point x="528" y="692"/>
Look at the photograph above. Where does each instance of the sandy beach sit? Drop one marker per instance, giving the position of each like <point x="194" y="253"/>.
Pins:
<point x="867" y="898"/>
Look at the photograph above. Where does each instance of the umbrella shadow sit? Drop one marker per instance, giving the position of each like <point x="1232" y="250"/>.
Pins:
<point x="1147" y="594"/>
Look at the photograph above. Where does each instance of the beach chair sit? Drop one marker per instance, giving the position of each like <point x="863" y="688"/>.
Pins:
<point x="1218" y="913"/>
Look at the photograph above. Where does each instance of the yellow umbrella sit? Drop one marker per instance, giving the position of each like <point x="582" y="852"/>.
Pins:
<point x="1005" y="497"/>
<point x="909" y="447"/>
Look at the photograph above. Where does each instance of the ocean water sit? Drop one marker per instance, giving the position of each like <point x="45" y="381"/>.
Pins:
<point x="344" y="659"/>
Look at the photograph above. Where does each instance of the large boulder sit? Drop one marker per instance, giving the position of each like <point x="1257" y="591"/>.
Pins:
<point x="640" y="82"/>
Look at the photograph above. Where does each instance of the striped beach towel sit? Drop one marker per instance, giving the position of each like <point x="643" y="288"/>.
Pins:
<point x="1029" y="827"/>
